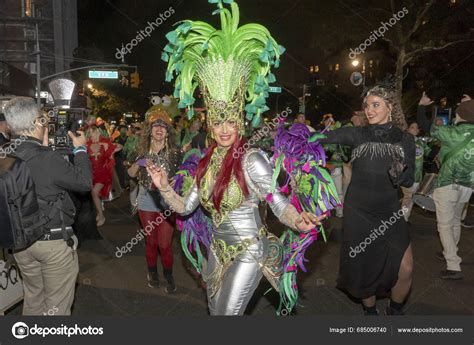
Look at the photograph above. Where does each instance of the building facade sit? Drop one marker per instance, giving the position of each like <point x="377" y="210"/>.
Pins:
<point x="55" y="23"/>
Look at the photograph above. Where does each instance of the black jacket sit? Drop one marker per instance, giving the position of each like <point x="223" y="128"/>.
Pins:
<point x="3" y="140"/>
<point x="53" y="175"/>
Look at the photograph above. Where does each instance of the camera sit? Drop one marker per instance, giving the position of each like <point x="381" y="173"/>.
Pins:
<point x="21" y="331"/>
<point x="60" y="122"/>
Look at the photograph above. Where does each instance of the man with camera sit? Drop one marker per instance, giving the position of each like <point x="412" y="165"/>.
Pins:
<point x="455" y="180"/>
<point x="49" y="266"/>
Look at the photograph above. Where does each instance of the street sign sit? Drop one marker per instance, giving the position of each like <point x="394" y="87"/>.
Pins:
<point x="356" y="78"/>
<point x="274" y="89"/>
<point x="103" y="74"/>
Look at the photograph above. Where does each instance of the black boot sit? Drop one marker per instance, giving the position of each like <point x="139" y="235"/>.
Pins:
<point x="394" y="308"/>
<point x="171" y="286"/>
<point x="370" y="311"/>
<point x="451" y="275"/>
<point x="153" y="278"/>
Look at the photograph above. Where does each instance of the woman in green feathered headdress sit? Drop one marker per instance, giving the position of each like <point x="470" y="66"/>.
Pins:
<point x="231" y="66"/>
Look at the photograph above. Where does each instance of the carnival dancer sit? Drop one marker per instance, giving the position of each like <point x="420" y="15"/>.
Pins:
<point x="101" y="152"/>
<point x="376" y="253"/>
<point x="229" y="64"/>
<point x="157" y="147"/>
<point x="455" y="181"/>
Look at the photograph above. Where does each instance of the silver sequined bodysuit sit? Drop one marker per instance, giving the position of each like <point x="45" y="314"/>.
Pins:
<point x="230" y="287"/>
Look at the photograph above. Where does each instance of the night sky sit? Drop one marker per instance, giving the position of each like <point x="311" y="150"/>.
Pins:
<point x="310" y="30"/>
<point x="107" y="24"/>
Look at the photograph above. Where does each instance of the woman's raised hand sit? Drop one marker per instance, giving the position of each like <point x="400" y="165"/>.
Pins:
<point x="158" y="175"/>
<point x="425" y="100"/>
<point x="308" y="221"/>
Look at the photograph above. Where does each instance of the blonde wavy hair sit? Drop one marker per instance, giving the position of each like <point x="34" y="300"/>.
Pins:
<point x="145" y="139"/>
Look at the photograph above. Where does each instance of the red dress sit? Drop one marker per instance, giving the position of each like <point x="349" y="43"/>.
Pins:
<point x="103" y="164"/>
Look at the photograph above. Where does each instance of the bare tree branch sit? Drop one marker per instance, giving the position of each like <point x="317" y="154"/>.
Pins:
<point x="355" y="13"/>
<point x="413" y="54"/>
<point x="392" y="45"/>
<point x="419" y="20"/>
<point x="373" y="9"/>
<point x="398" y="25"/>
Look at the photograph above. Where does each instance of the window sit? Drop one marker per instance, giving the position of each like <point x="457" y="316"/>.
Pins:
<point x="336" y="67"/>
<point x="28" y="10"/>
<point x="316" y="69"/>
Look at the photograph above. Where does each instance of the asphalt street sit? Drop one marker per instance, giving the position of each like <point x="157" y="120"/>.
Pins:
<point x="109" y="285"/>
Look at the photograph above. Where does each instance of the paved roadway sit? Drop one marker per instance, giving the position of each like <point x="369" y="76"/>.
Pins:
<point x="108" y="285"/>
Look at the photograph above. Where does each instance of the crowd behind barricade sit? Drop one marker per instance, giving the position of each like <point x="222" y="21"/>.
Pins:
<point x="107" y="158"/>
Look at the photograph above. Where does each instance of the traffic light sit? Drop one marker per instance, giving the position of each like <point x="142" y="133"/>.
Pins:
<point x="135" y="80"/>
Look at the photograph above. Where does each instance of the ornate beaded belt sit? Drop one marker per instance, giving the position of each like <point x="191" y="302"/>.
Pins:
<point x="227" y="253"/>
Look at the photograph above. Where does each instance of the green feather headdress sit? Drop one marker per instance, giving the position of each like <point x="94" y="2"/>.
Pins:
<point x="231" y="65"/>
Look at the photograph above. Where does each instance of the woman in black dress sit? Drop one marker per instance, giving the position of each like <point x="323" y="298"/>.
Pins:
<point x="376" y="254"/>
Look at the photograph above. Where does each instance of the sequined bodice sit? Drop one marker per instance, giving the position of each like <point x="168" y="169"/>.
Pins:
<point x="233" y="196"/>
<point x="166" y="159"/>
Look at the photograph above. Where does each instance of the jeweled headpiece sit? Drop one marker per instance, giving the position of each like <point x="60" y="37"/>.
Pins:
<point x="159" y="117"/>
<point x="231" y="66"/>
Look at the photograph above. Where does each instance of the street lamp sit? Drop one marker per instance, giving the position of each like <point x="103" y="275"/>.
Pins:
<point x="90" y="86"/>
<point x="358" y="78"/>
<point x="62" y="90"/>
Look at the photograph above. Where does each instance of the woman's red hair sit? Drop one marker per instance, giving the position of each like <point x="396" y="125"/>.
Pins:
<point x="230" y="166"/>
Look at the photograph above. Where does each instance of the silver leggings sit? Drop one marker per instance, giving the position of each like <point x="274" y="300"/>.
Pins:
<point x="239" y="284"/>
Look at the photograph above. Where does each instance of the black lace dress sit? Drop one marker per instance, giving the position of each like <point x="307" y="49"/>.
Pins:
<point x="376" y="235"/>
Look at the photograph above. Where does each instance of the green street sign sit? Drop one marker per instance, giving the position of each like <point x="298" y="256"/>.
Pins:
<point x="103" y="74"/>
<point x="275" y="89"/>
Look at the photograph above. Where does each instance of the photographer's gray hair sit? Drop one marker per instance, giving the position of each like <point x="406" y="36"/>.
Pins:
<point x="20" y="113"/>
